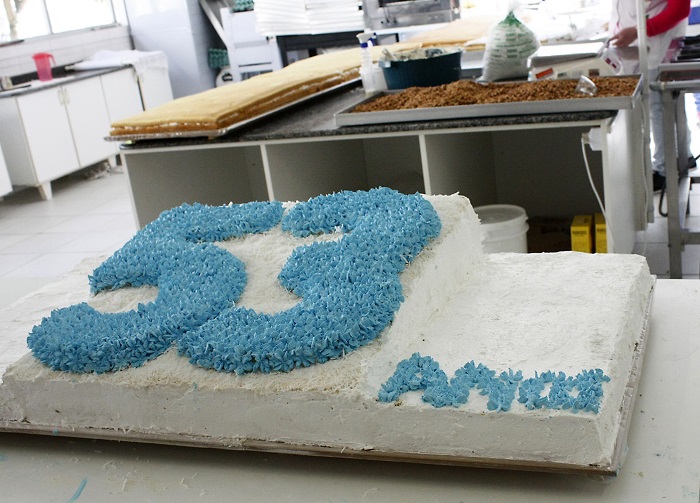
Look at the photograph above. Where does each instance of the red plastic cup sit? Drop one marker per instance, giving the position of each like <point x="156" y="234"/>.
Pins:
<point x="43" y="65"/>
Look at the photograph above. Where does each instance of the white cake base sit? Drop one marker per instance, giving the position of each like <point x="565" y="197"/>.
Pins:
<point x="331" y="409"/>
<point x="157" y="435"/>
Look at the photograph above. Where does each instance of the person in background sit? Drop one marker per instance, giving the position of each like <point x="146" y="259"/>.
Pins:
<point x="666" y="20"/>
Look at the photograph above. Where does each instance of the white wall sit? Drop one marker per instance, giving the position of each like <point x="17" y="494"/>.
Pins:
<point x="181" y="30"/>
<point x="66" y="48"/>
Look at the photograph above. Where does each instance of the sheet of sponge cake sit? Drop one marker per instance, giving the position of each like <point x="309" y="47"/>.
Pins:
<point x="221" y="107"/>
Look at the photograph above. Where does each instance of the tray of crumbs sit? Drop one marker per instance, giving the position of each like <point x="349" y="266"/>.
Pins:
<point x="504" y="99"/>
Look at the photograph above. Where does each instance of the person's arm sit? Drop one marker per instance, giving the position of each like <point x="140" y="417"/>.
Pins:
<point x="674" y="12"/>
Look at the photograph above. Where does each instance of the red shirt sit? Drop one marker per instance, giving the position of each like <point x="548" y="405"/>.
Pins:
<point x="674" y="12"/>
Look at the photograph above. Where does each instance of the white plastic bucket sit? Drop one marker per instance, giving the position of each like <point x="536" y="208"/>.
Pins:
<point x="503" y="228"/>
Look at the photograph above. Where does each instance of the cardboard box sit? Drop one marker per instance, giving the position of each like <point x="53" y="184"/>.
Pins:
<point x="548" y="234"/>
<point x="601" y="234"/>
<point x="582" y="234"/>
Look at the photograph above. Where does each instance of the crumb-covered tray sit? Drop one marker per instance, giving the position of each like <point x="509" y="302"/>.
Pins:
<point x="350" y="117"/>
<point x="215" y="133"/>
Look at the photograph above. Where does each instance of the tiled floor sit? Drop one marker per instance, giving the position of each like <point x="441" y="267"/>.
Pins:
<point x="42" y="240"/>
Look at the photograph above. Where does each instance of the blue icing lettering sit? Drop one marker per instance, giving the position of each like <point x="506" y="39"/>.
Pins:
<point x="530" y="393"/>
<point x="424" y="374"/>
<point x="196" y="281"/>
<point x="349" y="288"/>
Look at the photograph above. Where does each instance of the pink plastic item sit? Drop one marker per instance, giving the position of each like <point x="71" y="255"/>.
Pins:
<point x="43" y="65"/>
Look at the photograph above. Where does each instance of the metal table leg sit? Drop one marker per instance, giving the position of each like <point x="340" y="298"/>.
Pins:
<point x="670" y="101"/>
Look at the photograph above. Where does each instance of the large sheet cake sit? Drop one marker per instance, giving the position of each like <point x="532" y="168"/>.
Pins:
<point x="515" y="360"/>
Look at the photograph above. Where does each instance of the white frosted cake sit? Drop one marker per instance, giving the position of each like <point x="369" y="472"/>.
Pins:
<point x="501" y="360"/>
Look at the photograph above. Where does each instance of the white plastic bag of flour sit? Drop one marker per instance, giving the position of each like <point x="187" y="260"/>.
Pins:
<point x="508" y="47"/>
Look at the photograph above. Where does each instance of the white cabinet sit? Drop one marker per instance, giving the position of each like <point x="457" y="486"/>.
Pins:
<point x="64" y="129"/>
<point x="122" y="98"/>
<point x="48" y="137"/>
<point x="89" y="120"/>
<point x="51" y="132"/>
<point x="121" y="93"/>
<point x="154" y="83"/>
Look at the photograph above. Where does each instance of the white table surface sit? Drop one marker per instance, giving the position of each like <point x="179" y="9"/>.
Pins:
<point x="662" y="463"/>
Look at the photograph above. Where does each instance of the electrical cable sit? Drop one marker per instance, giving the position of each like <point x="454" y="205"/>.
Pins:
<point x="644" y="181"/>
<point x="595" y="191"/>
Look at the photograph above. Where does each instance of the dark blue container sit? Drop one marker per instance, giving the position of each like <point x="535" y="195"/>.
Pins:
<point x="694" y="16"/>
<point x="437" y="67"/>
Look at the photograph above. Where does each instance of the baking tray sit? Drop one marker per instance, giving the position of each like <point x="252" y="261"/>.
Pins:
<point x="215" y="133"/>
<point x="347" y="117"/>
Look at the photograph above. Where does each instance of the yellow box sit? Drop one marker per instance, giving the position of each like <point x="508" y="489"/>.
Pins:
<point x="582" y="234"/>
<point x="601" y="234"/>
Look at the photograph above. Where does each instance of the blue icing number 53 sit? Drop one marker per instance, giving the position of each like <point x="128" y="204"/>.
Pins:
<point x="349" y="288"/>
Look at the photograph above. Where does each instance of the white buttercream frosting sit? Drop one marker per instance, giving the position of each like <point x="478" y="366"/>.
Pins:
<point x="561" y="312"/>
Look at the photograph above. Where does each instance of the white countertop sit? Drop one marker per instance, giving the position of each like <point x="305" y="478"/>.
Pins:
<point x="662" y="464"/>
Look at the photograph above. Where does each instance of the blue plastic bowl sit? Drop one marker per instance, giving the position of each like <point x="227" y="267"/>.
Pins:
<point x="422" y="68"/>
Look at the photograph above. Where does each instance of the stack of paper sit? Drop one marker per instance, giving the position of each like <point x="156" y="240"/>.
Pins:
<point x="310" y="17"/>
